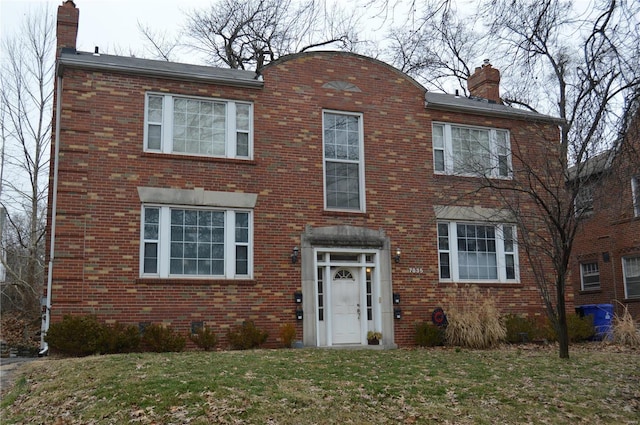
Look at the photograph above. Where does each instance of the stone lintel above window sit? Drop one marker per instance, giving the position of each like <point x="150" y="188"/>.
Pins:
<point x="197" y="197"/>
<point x="475" y="214"/>
<point x="344" y="235"/>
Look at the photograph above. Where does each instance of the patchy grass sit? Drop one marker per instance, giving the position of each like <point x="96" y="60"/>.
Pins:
<point x="509" y="385"/>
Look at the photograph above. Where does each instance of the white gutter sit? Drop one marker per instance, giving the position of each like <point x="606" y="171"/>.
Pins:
<point x="46" y="320"/>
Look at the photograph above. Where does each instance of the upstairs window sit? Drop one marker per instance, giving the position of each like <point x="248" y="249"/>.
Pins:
<point x="584" y="200"/>
<point x="590" y="276"/>
<point x="198" y="126"/>
<point x="635" y="193"/>
<point x="471" y="151"/>
<point x="343" y="161"/>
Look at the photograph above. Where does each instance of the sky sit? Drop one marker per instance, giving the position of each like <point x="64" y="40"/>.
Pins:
<point x="109" y="24"/>
<point x="112" y="25"/>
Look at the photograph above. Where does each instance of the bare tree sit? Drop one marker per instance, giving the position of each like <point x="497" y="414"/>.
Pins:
<point x="250" y="34"/>
<point x="584" y="69"/>
<point x="593" y="84"/>
<point x="437" y="48"/>
<point x="26" y="91"/>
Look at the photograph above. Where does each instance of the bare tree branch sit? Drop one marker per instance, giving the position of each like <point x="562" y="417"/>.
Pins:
<point x="161" y="46"/>
<point x="584" y="69"/>
<point x="26" y="93"/>
<point x="244" y="35"/>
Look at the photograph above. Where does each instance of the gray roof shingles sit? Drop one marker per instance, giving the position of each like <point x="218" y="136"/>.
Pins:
<point x="241" y="78"/>
<point x="157" y="68"/>
<point x="483" y="107"/>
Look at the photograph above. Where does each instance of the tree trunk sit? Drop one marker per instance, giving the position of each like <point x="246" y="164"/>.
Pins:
<point x="563" y="333"/>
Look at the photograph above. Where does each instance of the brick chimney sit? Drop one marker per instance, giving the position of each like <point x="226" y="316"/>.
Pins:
<point x="485" y="82"/>
<point x="67" y="26"/>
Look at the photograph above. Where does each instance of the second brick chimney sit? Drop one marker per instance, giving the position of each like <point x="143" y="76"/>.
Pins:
<point x="485" y="82"/>
<point x="67" y="26"/>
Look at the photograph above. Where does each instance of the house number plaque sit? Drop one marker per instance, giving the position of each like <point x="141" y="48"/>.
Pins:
<point x="416" y="270"/>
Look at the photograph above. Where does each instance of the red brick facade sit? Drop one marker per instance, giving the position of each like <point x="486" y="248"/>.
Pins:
<point x="611" y="233"/>
<point x="101" y="166"/>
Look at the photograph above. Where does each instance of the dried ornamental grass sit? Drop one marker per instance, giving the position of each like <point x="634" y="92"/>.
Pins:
<point x="474" y="319"/>
<point x="625" y="330"/>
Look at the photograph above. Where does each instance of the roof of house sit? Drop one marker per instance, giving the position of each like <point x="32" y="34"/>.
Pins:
<point x="592" y="166"/>
<point x="157" y="68"/>
<point x="241" y="78"/>
<point x="482" y="106"/>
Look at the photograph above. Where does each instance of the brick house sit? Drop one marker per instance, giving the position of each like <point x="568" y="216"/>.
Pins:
<point x="330" y="191"/>
<point x="606" y="254"/>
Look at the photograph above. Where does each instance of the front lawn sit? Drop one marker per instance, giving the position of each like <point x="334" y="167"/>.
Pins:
<point x="504" y="386"/>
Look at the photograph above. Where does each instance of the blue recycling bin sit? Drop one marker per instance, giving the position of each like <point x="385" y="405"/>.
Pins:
<point x="602" y="317"/>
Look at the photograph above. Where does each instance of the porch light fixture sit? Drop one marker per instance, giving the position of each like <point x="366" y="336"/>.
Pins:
<point x="294" y="255"/>
<point x="397" y="256"/>
<point x="396" y="298"/>
<point x="297" y="297"/>
<point x="397" y="313"/>
<point x="299" y="314"/>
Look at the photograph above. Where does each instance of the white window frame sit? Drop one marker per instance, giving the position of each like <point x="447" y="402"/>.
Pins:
<point x="360" y="161"/>
<point x="446" y="149"/>
<point x="501" y="253"/>
<point x="164" y="243"/>
<point x="635" y="194"/>
<point x="626" y="273"/>
<point x="584" y="202"/>
<point x="587" y="270"/>
<point x="167" y="126"/>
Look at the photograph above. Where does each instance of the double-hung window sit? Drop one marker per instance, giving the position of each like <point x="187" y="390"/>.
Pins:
<point x="590" y="274"/>
<point x="635" y="193"/>
<point x="198" y="126"/>
<point x="477" y="252"/>
<point x="631" y="272"/>
<point x="584" y="200"/>
<point x="343" y="161"/>
<point x="186" y="242"/>
<point x="473" y="151"/>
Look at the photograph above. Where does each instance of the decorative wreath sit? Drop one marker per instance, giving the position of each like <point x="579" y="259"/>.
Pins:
<point x="438" y="317"/>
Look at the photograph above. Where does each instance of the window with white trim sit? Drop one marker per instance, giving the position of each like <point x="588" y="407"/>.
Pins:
<point x="343" y="161"/>
<point x="631" y="272"/>
<point x="584" y="200"/>
<point x="198" y="126"/>
<point x="635" y="193"/>
<point x="590" y="276"/>
<point x="477" y="252"/>
<point x="188" y="242"/>
<point x="473" y="151"/>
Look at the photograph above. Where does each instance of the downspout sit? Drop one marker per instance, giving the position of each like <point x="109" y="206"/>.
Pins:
<point x="44" y="347"/>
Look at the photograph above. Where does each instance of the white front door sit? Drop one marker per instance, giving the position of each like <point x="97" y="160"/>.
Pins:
<point x="345" y="297"/>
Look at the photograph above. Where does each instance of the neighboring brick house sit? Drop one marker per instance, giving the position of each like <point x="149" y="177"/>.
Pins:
<point x="190" y="195"/>
<point x="606" y="254"/>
